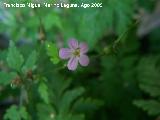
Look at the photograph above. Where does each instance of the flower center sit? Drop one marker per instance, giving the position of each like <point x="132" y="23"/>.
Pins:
<point x="77" y="52"/>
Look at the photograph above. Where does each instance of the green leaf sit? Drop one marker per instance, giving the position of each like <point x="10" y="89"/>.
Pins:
<point x="84" y="105"/>
<point x="149" y="72"/>
<point x="14" y="58"/>
<point x="59" y="87"/>
<point x="43" y="91"/>
<point x="30" y="63"/>
<point x="23" y="113"/>
<point x="13" y="113"/>
<point x="52" y="51"/>
<point x="67" y="99"/>
<point x="124" y="11"/>
<point x="6" y="78"/>
<point x="149" y="75"/>
<point x="70" y="117"/>
<point x="52" y="20"/>
<point x="45" y="112"/>
<point x="151" y="106"/>
<point x="121" y="14"/>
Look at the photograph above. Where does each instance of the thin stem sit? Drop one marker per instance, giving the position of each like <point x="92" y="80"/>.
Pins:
<point x="124" y="33"/>
<point x="21" y="98"/>
<point x="112" y="49"/>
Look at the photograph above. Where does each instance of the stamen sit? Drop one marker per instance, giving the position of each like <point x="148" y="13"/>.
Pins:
<point x="77" y="52"/>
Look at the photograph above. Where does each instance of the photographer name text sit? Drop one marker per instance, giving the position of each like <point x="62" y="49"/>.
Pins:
<point x="62" y="5"/>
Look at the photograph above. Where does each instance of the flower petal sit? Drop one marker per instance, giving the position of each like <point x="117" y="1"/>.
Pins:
<point x="84" y="60"/>
<point x="83" y="47"/>
<point x="73" y="43"/>
<point x="64" y="53"/>
<point x="72" y="63"/>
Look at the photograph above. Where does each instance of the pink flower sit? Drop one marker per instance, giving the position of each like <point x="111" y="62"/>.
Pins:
<point x="76" y="53"/>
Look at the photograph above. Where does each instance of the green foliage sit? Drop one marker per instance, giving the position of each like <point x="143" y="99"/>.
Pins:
<point x="149" y="71"/>
<point x="70" y="117"/>
<point x="149" y="77"/>
<point x="43" y="91"/>
<point x="7" y="19"/>
<point x="121" y="15"/>
<point x="123" y="69"/>
<point x="91" y="23"/>
<point x="68" y="98"/>
<point x="52" y="20"/>
<point x="87" y="104"/>
<point x="30" y="62"/>
<point x="15" y="113"/>
<point x="6" y="78"/>
<point x="52" y="52"/>
<point x="63" y="98"/>
<point x="69" y="103"/>
<point x="14" y="58"/>
<point x="45" y="112"/>
<point x="151" y="106"/>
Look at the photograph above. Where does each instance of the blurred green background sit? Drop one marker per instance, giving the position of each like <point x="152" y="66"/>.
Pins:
<point x="122" y="81"/>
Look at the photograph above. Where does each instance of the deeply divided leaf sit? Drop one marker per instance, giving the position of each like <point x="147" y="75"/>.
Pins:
<point x="14" y="57"/>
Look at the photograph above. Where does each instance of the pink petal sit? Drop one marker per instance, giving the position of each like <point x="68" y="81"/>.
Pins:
<point x="84" y="60"/>
<point x="73" y="43"/>
<point x="72" y="63"/>
<point x="65" y="53"/>
<point x="83" y="47"/>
